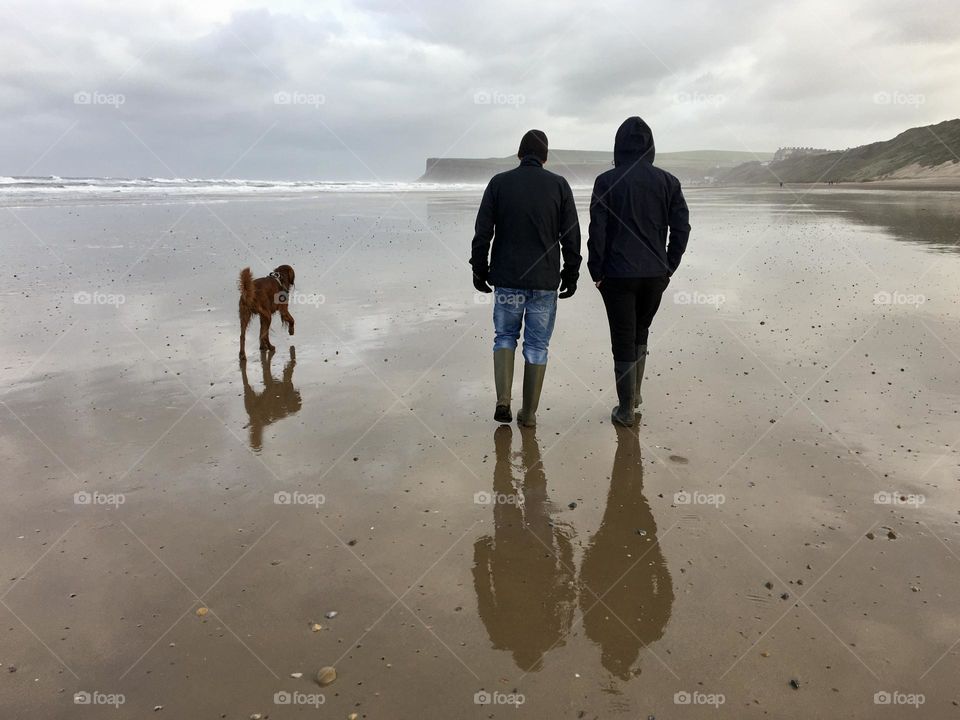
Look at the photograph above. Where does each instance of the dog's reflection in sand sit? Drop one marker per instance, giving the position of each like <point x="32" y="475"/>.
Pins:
<point x="277" y="400"/>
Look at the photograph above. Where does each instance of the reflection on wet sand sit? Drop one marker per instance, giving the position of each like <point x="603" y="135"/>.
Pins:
<point x="276" y="401"/>
<point x="626" y="593"/>
<point x="928" y="219"/>
<point x="523" y="575"/>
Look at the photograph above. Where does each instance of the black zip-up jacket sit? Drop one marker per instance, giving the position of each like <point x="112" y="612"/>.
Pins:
<point x="632" y="207"/>
<point x="529" y="215"/>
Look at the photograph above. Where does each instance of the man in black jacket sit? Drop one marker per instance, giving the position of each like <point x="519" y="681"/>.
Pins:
<point x="529" y="215"/>
<point x="633" y="207"/>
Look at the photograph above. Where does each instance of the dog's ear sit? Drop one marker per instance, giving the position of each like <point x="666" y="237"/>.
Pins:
<point x="288" y="271"/>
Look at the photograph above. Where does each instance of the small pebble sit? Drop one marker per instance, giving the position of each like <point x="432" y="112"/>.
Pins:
<point x="326" y="675"/>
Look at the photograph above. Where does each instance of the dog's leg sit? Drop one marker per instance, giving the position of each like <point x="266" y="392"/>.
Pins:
<point x="265" y="333"/>
<point x="286" y="317"/>
<point x="244" y="321"/>
<point x="268" y="380"/>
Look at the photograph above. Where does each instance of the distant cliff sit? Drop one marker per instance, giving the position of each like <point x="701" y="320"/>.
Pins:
<point x="581" y="167"/>
<point x="921" y="153"/>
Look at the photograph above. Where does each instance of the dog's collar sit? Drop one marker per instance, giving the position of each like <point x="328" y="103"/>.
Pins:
<point x="276" y="276"/>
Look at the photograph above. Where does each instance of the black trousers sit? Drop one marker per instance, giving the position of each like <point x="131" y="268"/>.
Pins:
<point x="631" y="304"/>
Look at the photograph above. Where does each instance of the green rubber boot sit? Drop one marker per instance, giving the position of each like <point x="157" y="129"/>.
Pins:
<point x="532" y="385"/>
<point x="626" y="378"/>
<point x="503" y="378"/>
<point x="641" y="366"/>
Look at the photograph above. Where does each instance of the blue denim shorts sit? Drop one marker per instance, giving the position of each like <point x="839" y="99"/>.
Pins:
<point x="533" y="311"/>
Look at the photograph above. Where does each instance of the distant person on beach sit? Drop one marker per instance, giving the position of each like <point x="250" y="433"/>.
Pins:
<point x="529" y="215"/>
<point x="632" y="209"/>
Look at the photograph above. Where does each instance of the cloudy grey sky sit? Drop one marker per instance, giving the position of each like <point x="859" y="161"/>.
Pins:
<point x="368" y="89"/>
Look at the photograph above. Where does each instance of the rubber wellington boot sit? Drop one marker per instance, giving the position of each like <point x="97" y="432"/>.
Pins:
<point x="532" y="385"/>
<point x="626" y="378"/>
<point x="503" y="378"/>
<point x="641" y="365"/>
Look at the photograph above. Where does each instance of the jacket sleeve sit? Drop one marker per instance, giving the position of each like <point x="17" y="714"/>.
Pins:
<point x="483" y="233"/>
<point x="679" y="221"/>
<point x="597" y="240"/>
<point x="569" y="235"/>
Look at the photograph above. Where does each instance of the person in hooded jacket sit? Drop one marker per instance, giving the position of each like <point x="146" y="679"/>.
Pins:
<point x="639" y="226"/>
<point x="529" y="216"/>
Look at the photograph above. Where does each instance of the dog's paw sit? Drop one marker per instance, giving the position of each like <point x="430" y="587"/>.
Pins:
<point x="291" y="330"/>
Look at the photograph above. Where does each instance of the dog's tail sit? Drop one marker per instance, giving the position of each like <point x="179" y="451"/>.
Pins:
<point x="245" y="286"/>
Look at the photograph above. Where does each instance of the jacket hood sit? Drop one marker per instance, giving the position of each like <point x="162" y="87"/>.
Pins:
<point x="634" y="142"/>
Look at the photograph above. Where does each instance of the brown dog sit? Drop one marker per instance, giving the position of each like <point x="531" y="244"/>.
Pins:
<point x="264" y="297"/>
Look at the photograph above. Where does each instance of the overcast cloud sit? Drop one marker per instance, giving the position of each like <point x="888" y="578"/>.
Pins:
<point x="369" y="89"/>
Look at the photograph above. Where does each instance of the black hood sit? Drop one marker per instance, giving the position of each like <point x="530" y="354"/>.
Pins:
<point x="634" y="142"/>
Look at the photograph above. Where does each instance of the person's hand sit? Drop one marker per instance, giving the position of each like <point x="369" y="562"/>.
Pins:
<point x="567" y="288"/>
<point x="568" y="283"/>
<point x="480" y="283"/>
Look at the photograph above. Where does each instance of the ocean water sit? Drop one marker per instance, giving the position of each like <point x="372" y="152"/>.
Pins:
<point x="31" y="190"/>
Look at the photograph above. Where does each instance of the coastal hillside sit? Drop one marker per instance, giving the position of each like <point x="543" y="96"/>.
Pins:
<point x="929" y="152"/>
<point x="580" y="167"/>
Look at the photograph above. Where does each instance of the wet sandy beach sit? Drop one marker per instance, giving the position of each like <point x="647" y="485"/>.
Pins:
<point x="779" y="539"/>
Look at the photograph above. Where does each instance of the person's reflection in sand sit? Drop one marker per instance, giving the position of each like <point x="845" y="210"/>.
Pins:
<point x="277" y="400"/>
<point x="626" y="593"/>
<point x="523" y="575"/>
